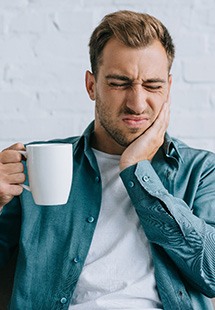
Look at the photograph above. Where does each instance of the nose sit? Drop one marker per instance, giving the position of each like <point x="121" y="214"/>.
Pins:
<point x="136" y="99"/>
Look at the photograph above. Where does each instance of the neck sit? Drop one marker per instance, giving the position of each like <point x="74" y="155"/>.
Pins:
<point x="106" y="145"/>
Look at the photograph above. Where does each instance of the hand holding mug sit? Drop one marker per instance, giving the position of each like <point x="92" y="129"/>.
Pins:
<point x="11" y="173"/>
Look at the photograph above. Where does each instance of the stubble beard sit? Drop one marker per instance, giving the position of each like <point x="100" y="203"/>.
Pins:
<point x="104" y="117"/>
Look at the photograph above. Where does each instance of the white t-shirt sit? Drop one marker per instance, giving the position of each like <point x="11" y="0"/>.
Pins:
<point x="118" y="271"/>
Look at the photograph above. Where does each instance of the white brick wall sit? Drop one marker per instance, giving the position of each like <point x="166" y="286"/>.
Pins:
<point x="44" y="55"/>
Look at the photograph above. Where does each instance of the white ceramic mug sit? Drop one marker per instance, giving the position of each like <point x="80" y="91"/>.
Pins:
<point x="50" y="172"/>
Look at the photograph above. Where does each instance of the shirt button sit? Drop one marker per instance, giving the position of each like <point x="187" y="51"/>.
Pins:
<point x="131" y="184"/>
<point x="76" y="260"/>
<point x="180" y="294"/>
<point x="145" y="178"/>
<point x="97" y="179"/>
<point x="90" y="219"/>
<point x="63" y="300"/>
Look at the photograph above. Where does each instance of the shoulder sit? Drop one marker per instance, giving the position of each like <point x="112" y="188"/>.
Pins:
<point x="188" y="153"/>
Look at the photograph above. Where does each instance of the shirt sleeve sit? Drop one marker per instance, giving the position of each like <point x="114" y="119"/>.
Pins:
<point x="170" y="223"/>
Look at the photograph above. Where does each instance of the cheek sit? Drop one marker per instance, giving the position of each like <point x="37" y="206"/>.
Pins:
<point x="156" y="104"/>
<point x="114" y="99"/>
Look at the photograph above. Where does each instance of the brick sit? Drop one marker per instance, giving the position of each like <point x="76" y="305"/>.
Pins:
<point x="78" y="22"/>
<point x="10" y="4"/>
<point x="211" y="14"/>
<point x="187" y="45"/>
<point x="190" y="99"/>
<point x="15" y="104"/>
<point x="1" y="24"/>
<point x="192" y="124"/>
<point x="97" y="3"/>
<point x="54" y="4"/>
<point x="199" y="69"/>
<point x="212" y="99"/>
<point x="47" y="75"/>
<point x="66" y="102"/>
<point x="159" y="8"/>
<point x="16" y="49"/>
<point x="1" y="74"/>
<point x="59" y="46"/>
<point x="202" y="19"/>
<point x="141" y="3"/>
<point x="28" y="22"/>
<point x="206" y="144"/>
<point x="211" y="44"/>
<point x="43" y="128"/>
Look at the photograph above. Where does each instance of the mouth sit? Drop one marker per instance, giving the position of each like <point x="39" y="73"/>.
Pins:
<point x="135" y="121"/>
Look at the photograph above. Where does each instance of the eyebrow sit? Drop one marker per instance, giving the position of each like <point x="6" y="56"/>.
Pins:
<point x="126" y="78"/>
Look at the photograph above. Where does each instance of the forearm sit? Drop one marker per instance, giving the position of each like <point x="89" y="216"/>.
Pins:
<point x="169" y="222"/>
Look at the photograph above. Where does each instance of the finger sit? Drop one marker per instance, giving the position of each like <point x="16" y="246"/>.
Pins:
<point x="16" y="190"/>
<point x="12" y="168"/>
<point x="10" y="156"/>
<point x="17" y="147"/>
<point x="12" y="190"/>
<point x="17" y="178"/>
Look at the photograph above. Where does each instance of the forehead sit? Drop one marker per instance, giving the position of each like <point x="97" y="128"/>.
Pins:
<point x="142" y="62"/>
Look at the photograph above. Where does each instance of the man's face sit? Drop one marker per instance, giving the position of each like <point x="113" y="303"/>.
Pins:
<point x="130" y="89"/>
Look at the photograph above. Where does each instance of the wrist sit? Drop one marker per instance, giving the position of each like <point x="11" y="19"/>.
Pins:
<point x="125" y="164"/>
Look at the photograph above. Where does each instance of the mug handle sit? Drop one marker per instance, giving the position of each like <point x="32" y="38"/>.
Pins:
<point x="24" y="153"/>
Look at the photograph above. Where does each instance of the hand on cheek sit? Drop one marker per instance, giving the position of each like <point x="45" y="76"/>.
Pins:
<point x="146" y="146"/>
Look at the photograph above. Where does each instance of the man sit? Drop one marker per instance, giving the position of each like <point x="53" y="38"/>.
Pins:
<point x="138" y="229"/>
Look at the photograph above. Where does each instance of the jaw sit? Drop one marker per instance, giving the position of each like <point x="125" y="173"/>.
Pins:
<point x="114" y="141"/>
<point x="104" y="141"/>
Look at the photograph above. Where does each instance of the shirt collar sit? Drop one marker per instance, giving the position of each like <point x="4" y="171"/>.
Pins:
<point x="84" y="140"/>
<point x="83" y="144"/>
<point x="171" y="148"/>
<point x="87" y="136"/>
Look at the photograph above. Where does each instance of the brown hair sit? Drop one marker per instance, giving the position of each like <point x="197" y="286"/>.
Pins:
<point x="132" y="29"/>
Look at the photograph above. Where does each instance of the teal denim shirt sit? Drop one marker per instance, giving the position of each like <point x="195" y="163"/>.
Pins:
<point x="174" y="197"/>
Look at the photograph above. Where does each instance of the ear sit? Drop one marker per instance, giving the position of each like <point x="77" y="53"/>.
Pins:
<point x="170" y="80"/>
<point x="90" y="84"/>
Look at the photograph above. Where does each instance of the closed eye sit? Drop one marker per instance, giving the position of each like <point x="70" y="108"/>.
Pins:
<point x="119" y="85"/>
<point x="153" y="87"/>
